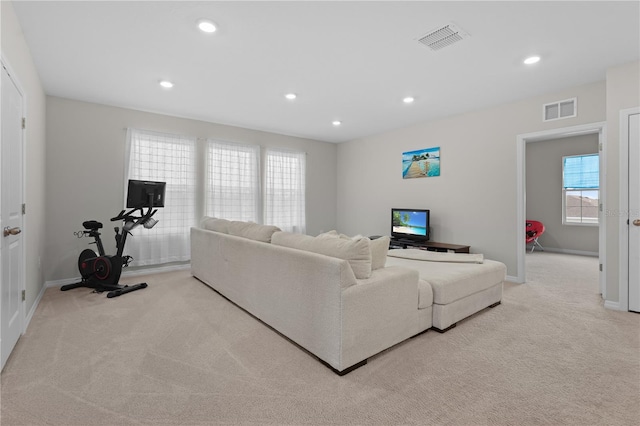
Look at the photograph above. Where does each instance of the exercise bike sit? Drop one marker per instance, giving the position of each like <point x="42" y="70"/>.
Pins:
<point x="102" y="272"/>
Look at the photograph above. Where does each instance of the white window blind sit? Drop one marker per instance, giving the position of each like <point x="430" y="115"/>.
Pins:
<point x="166" y="158"/>
<point x="581" y="171"/>
<point x="284" y="201"/>
<point x="580" y="188"/>
<point x="232" y="186"/>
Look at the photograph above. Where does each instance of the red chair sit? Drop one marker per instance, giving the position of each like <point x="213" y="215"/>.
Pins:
<point x="533" y="231"/>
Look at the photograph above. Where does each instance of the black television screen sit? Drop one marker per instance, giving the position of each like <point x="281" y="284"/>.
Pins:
<point x="410" y="224"/>
<point x="144" y="193"/>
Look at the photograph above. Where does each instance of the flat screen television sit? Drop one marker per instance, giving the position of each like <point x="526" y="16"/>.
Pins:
<point x="410" y="224"/>
<point x="145" y="193"/>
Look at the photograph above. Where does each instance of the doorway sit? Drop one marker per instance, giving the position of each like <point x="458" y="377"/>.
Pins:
<point x="562" y="193"/>
<point x="522" y="141"/>
<point x="11" y="216"/>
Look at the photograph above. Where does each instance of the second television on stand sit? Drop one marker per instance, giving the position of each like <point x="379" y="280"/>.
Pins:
<point x="410" y="225"/>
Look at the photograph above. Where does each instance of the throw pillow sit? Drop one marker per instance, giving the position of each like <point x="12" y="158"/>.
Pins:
<point x="379" y="249"/>
<point x="355" y="251"/>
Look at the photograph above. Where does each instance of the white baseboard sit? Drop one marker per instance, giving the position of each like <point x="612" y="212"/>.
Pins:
<point x="512" y="279"/>
<point x="130" y="273"/>
<point x="32" y="311"/>
<point x="568" y="251"/>
<point x="612" y="305"/>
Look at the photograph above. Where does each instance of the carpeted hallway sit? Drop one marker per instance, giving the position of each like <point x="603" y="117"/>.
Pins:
<point x="177" y="353"/>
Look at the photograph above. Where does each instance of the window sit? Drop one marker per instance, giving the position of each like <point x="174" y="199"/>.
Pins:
<point x="229" y="176"/>
<point x="580" y="189"/>
<point x="232" y="187"/>
<point x="171" y="159"/>
<point x="284" y="201"/>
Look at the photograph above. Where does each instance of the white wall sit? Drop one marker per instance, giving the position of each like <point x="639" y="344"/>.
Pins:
<point x="623" y="91"/>
<point x="85" y="173"/>
<point x="18" y="57"/>
<point x="474" y="200"/>
<point x="544" y="193"/>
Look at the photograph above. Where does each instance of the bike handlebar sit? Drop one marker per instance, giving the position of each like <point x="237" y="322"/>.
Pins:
<point x="131" y="221"/>
<point x="118" y="217"/>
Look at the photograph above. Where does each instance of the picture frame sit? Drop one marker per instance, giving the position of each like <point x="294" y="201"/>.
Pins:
<point x="421" y="163"/>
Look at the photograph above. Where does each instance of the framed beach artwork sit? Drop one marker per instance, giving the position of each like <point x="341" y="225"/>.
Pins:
<point x="421" y="163"/>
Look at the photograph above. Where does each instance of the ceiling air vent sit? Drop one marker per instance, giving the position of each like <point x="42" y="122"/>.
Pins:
<point x="561" y="109"/>
<point x="442" y="37"/>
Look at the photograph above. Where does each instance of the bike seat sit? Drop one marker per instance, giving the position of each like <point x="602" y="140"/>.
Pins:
<point x="92" y="225"/>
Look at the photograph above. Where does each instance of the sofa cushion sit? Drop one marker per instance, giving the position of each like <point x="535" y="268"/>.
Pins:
<point x="215" y="224"/>
<point x="293" y="240"/>
<point x="379" y="249"/>
<point x="459" y="280"/>
<point x="454" y="281"/>
<point x="252" y="231"/>
<point x="356" y="251"/>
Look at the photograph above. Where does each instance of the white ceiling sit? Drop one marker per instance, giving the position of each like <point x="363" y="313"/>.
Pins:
<point x="350" y="61"/>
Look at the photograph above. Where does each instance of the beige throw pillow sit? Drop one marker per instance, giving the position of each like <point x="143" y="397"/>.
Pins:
<point x="356" y="251"/>
<point x="379" y="249"/>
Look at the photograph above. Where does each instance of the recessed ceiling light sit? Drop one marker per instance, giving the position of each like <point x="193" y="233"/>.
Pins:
<point x="336" y="122"/>
<point x="532" y="60"/>
<point x="291" y="96"/>
<point x="166" y="84"/>
<point x="408" y="100"/>
<point x="207" y="26"/>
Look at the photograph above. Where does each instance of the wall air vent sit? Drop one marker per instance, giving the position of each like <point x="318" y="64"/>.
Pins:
<point x="559" y="110"/>
<point x="443" y="37"/>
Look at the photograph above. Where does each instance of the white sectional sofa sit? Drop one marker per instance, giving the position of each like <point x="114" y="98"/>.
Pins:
<point x="337" y="297"/>
<point x="313" y="299"/>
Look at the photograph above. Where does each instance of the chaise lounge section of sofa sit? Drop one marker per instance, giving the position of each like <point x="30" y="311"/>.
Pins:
<point x="462" y="284"/>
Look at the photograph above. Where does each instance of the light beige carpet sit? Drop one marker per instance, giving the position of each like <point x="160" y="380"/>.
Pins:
<point x="177" y="353"/>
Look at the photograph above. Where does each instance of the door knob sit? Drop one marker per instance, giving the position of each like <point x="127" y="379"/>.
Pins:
<point x="636" y="222"/>
<point x="11" y="231"/>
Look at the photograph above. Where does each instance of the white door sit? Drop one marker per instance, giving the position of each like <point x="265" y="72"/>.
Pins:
<point x="11" y="305"/>
<point x="634" y="212"/>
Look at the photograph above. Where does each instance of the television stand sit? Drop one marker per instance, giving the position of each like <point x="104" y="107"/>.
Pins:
<point x="428" y="245"/>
